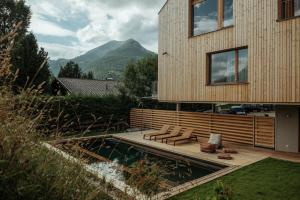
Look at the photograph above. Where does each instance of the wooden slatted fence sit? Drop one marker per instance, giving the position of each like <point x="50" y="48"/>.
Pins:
<point x="264" y="132"/>
<point x="251" y="130"/>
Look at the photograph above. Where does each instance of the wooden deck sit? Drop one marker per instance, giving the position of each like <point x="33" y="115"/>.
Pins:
<point x="247" y="155"/>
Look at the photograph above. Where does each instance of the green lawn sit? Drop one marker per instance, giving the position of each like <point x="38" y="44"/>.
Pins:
<point x="269" y="179"/>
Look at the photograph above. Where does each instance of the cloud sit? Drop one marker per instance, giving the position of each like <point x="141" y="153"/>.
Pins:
<point x="57" y="51"/>
<point x="95" y="22"/>
<point x="44" y="27"/>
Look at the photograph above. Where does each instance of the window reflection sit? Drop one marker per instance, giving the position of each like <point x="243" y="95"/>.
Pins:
<point x="228" y="12"/>
<point x="205" y="16"/>
<point x="297" y="7"/>
<point x="223" y="67"/>
<point x="243" y="65"/>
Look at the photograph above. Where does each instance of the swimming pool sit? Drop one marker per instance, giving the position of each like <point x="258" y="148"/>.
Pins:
<point x="110" y="154"/>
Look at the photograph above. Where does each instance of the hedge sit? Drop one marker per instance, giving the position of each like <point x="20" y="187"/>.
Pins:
<point x="73" y="114"/>
<point x="69" y="114"/>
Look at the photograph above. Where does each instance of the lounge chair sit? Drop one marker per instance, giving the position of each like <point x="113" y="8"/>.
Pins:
<point x="187" y="135"/>
<point x="175" y="132"/>
<point x="162" y="131"/>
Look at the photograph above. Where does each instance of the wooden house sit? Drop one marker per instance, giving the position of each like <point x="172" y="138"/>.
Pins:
<point x="234" y="51"/>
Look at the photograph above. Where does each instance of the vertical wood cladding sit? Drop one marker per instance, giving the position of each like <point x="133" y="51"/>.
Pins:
<point x="273" y="55"/>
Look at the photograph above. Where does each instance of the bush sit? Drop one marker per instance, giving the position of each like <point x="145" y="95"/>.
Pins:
<point x="71" y="114"/>
<point x="222" y="192"/>
<point x="28" y="170"/>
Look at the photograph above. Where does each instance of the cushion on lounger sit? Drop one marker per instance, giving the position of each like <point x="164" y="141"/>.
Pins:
<point x="215" y="139"/>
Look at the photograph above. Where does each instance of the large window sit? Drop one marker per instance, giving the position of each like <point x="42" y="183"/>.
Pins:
<point x="228" y="67"/>
<point x="288" y="9"/>
<point x="211" y="15"/>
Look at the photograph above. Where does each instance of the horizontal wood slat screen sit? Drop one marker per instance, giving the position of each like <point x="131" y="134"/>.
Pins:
<point x="264" y="132"/>
<point x="239" y="129"/>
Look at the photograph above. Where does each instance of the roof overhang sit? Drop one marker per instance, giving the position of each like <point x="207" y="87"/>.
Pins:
<point x="163" y="7"/>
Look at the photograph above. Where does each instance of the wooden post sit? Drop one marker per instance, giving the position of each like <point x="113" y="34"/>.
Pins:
<point x="178" y="107"/>
<point x="254" y="131"/>
<point x="213" y="108"/>
<point x="220" y="14"/>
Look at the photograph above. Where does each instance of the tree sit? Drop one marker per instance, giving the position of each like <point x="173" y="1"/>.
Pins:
<point x="88" y="76"/>
<point x="70" y="70"/>
<point x="27" y="58"/>
<point x="11" y="13"/>
<point x="139" y="76"/>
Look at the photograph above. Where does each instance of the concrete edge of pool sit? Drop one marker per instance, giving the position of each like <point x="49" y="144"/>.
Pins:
<point x="170" y="192"/>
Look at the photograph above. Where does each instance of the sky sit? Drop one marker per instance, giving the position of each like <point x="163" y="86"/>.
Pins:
<point x="69" y="28"/>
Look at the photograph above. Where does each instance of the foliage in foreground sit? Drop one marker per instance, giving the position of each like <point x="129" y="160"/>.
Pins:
<point x="265" y="180"/>
<point x="30" y="171"/>
<point x="144" y="178"/>
<point x="27" y="169"/>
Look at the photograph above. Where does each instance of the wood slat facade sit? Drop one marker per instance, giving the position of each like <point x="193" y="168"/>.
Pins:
<point x="250" y="130"/>
<point x="273" y="55"/>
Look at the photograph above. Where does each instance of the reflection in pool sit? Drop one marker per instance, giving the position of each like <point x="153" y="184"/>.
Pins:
<point x="112" y="157"/>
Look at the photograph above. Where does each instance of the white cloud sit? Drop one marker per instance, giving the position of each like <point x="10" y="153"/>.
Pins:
<point x="137" y="19"/>
<point x="57" y="51"/>
<point x="44" y="27"/>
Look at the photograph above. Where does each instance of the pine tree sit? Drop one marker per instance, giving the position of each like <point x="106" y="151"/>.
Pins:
<point x="70" y="70"/>
<point x="28" y="58"/>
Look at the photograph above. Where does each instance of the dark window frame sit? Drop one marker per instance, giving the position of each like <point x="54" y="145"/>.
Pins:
<point x="286" y="10"/>
<point x="220" y="18"/>
<point x="209" y="67"/>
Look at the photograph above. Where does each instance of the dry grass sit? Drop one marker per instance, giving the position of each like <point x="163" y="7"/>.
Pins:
<point x="27" y="169"/>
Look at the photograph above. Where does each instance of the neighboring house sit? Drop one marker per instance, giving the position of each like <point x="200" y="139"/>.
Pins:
<point x="63" y="86"/>
<point x="236" y="52"/>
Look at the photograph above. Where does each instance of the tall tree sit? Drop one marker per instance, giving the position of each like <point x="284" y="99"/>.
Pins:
<point x="70" y="70"/>
<point x="26" y="55"/>
<point x="28" y="59"/>
<point x="88" y="76"/>
<point x="139" y="76"/>
<point x="11" y="13"/>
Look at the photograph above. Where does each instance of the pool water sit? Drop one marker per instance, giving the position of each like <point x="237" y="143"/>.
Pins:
<point x="175" y="169"/>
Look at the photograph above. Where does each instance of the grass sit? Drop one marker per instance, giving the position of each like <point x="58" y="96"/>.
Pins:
<point x="269" y="179"/>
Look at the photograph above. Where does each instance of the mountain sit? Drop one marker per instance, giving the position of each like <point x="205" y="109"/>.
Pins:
<point x="106" y="61"/>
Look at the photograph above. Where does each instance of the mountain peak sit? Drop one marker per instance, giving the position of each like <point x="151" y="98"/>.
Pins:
<point x="132" y="42"/>
<point x="108" y="58"/>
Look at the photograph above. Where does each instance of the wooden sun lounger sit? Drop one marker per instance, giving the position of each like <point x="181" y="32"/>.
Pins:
<point x="187" y="135"/>
<point x="175" y="132"/>
<point x="162" y="131"/>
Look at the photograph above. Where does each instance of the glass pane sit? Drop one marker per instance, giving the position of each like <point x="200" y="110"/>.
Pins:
<point x="223" y="67"/>
<point x="228" y="12"/>
<point x="243" y="65"/>
<point x="205" y="16"/>
<point x="297" y="7"/>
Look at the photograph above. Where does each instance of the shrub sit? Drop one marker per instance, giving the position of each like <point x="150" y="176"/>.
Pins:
<point x="222" y="192"/>
<point x="27" y="169"/>
<point x="145" y="178"/>
<point x="69" y="114"/>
